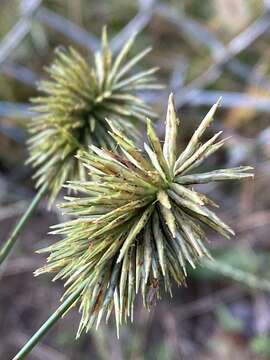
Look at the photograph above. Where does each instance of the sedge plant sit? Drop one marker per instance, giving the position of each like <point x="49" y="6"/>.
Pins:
<point x="136" y="224"/>
<point x="71" y="115"/>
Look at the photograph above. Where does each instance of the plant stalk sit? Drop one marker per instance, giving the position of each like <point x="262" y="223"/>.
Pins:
<point x="60" y="311"/>
<point x="238" y="275"/>
<point x="10" y="242"/>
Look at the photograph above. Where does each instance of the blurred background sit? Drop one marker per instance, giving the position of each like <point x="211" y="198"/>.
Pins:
<point x="205" y="49"/>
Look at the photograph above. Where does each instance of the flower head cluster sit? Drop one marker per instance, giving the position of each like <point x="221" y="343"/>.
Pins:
<point x="138" y="221"/>
<point x="71" y="113"/>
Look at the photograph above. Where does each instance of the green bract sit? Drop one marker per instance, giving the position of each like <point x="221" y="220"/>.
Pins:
<point x="75" y="103"/>
<point x="137" y="222"/>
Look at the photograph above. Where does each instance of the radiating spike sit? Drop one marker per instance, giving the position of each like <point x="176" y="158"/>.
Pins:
<point x="134" y="231"/>
<point x="147" y="238"/>
<point x="123" y="283"/>
<point x="194" y="141"/>
<point x="117" y="312"/>
<point x="169" y="147"/>
<point x="196" y="155"/>
<point x="157" y="148"/>
<point x="238" y="173"/>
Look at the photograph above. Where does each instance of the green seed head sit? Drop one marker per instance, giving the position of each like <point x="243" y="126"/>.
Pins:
<point x="138" y="221"/>
<point x="75" y="101"/>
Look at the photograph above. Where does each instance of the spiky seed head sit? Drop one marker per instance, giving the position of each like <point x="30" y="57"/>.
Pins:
<point x="75" y="102"/>
<point x="137" y="222"/>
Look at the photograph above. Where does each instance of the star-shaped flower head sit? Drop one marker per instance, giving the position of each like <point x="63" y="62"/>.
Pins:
<point x="76" y="100"/>
<point x="138" y="221"/>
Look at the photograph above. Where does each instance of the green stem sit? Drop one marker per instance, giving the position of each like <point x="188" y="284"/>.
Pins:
<point x="60" y="311"/>
<point x="10" y="242"/>
<point x="238" y="275"/>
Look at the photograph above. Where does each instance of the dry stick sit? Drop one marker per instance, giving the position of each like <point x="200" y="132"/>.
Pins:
<point x="10" y="242"/>
<point x="59" y="312"/>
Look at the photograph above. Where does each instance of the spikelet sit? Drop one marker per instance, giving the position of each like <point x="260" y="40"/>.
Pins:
<point x="76" y="100"/>
<point x="137" y="223"/>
